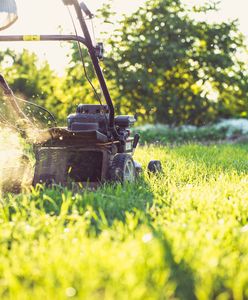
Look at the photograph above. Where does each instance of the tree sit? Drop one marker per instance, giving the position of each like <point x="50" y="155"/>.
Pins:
<point x="169" y="68"/>
<point x="37" y="83"/>
<point x="76" y="85"/>
<point x="28" y="80"/>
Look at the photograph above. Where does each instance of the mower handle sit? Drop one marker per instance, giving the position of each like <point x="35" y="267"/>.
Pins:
<point x="82" y="5"/>
<point x="92" y="51"/>
<point x="4" y="85"/>
<point x="11" y="99"/>
<point x="78" y="8"/>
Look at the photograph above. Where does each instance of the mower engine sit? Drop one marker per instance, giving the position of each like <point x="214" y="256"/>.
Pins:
<point x="96" y="145"/>
<point x="83" y="153"/>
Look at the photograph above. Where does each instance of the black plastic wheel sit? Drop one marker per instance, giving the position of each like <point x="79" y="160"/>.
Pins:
<point x="123" y="168"/>
<point x="155" y="167"/>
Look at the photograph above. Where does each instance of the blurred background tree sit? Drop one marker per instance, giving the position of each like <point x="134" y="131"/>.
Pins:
<point x="172" y="69"/>
<point x="31" y="80"/>
<point x="36" y="82"/>
<point x="163" y="65"/>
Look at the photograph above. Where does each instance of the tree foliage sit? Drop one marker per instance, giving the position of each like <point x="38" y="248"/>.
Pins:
<point x="169" y="68"/>
<point x="37" y="83"/>
<point x="29" y="79"/>
<point x="164" y="67"/>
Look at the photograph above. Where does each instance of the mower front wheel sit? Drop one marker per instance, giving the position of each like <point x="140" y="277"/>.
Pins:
<point x="123" y="168"/>
<point x="155" y="167"/>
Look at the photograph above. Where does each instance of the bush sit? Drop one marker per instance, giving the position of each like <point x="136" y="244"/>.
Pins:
<point x="225" y="129"/>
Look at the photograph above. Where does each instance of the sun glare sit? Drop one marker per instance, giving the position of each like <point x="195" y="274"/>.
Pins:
<point x="48" y="17"/>
<point x="51" y="17"/>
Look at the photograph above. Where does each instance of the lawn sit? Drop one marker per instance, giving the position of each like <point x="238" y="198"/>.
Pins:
<point x="183" y="235"/>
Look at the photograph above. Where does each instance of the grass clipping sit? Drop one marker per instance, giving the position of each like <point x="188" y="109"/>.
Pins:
<point x="16" y="167"/>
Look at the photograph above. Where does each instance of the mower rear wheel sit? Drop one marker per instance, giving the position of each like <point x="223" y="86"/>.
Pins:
<point x="155" y="167"/>
<point x="123" y="168"/>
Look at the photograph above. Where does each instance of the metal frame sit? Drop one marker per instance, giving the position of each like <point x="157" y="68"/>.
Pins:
<point x="87" y="41"/>
<point x="46" y="37"/>
<point x="55" y="163"/>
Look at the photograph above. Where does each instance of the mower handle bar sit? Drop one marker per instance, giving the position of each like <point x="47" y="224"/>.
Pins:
<point x="92" y="52"/>
<point x="4" y="85"/>
<point x="48" y="37"/>
<point x="79" y="12"/>
<point x="11" y="98"/>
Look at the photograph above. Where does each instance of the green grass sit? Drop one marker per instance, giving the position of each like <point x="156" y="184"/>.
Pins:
<point x="183" y="235"/>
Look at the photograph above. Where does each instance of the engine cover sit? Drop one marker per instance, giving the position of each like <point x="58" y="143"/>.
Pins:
<point x="89" y="117"/>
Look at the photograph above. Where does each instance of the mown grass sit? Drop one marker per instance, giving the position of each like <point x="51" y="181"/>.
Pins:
<point x="182" y="235"/>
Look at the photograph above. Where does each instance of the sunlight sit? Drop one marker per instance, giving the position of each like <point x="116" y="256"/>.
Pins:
<point x="14" y="170"/>
<point x="42" y="17"/>
<point x="47" y="17"/>
<point x="51" y="17"/>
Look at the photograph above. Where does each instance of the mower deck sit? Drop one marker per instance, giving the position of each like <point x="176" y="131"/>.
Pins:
<point x="96" y="145"/>
<point x="82" y="156"/>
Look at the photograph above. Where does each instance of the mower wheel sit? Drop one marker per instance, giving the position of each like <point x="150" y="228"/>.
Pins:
<point x="155" y="167"/>
<point x="123" y="168"/>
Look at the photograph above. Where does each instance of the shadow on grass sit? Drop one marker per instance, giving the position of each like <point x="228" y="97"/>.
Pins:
<point x="180" y="272"/>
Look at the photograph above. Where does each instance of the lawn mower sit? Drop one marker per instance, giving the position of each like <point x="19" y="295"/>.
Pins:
<point x="96" y="146"/>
